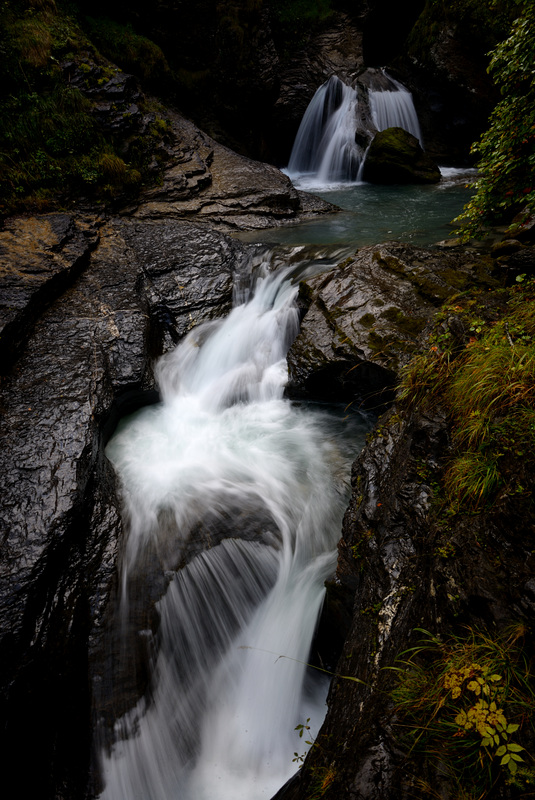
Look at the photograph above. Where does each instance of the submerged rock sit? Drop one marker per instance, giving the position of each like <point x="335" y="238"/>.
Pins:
<point x="396" y="156"/>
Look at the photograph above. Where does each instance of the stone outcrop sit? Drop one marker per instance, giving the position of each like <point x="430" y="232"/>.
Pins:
<point x="409" y="563"/>
<point x="396" y="577"/>
<point x="396" y="156"/>
<point x="362" y="320"/>
<point x="208" y="182"/>
<point x="83" y="328"/>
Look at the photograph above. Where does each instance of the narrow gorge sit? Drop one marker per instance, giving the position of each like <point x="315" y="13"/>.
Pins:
<point x="237" y="538"/>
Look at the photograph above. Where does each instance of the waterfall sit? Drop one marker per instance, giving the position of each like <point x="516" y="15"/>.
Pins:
<point x="393" y="107"/>
<point x="325" y="143"/>
<point x="340" y="122"/>
<point x="264" y="482"/>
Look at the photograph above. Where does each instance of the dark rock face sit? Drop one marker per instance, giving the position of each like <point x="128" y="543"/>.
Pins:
<point x="395" y="156"/>
<point x="39" y="257"/>
<point x="335" y="50"/>
<point x="363" y="319"/>
<point x="211" y="183"/>
<point x="395" y="579"/>
<point x="84" y="348"/>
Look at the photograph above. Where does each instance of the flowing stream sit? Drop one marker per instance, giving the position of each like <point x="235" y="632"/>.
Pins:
<point x="234" y="497"/>
<point x="264" y="481"/>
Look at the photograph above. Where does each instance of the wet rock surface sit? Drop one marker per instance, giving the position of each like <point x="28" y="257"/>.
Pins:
<point x="362" y="320"/>
<point x="396" y="579"/>
<point x="409" y="563"/>
<point x="392" y="578"/>
<point x="39" y="257"/>
<point x="395" y="156"/>
<point x="87" y="357"/>
<point x="207" y="181"/>
<point x="90" y="303"/>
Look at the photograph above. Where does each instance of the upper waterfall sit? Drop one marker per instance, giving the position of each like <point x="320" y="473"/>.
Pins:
<point x="325" y="143"/>
<point x="392" y="107"/>
<point x="340" y="122"/>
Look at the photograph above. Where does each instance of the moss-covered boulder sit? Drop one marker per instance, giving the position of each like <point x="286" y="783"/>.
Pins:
<point x="396" y="156"/>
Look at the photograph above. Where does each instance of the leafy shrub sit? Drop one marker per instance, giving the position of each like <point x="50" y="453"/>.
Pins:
<point x="462" y="704"/>
<point x="507" y="149"/>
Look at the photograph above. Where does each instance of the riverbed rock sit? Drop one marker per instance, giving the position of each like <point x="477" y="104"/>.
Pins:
<point x="208" y="182"/>
<point x="82" y="330"/>
<point x="363" y="319"/>
<point x="403" y="569"/>
<point x="396" y="156"/>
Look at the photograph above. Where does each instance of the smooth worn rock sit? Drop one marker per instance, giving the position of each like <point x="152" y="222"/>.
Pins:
<point x="363" y="319"/>
<point x="396" y="156"/>
<point x="39" y="257"/>
<point x="207" y="181"/>
<point x="86" y="358"/>
<point x="398" y="579"/>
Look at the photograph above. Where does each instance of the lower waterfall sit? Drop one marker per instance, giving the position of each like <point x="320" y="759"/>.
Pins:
<point x="226" y="460"/>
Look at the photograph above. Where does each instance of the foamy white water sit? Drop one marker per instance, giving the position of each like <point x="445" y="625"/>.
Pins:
<point x="394" y="107"/>
<point x="229" y="683"/>
<point x="325" y="149"/>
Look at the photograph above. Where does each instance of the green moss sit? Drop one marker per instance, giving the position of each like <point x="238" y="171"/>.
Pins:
<point x="411" y="326"/>
<point x="301" y="12"/>
<point x="131" y="51"/>
<point x="367" y="320"/>
<point x="456" y="278"/>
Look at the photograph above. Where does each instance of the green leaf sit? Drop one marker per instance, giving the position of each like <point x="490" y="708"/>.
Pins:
<point x="505" y="760"/>
<point x="501" y="751"/>
<point x="512" y="727"/>
<point x="516" y="757"/>
<point x="514" y="748"/>
<point x="512" y="767"/>
<point x="486" y="742"/>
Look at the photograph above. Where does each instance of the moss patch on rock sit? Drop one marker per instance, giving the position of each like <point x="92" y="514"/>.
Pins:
<point x="396" y="156"/>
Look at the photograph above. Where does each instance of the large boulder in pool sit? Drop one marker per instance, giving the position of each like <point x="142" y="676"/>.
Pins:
<point x="396" y="156"/>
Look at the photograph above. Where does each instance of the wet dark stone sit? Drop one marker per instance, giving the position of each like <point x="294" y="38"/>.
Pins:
<point x="81" y="354"/>
<point x="396" y="156"/>
<point x="363" y="320"/>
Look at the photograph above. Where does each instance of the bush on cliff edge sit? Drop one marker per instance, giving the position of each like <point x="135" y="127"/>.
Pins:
<point x="507" y="149"/>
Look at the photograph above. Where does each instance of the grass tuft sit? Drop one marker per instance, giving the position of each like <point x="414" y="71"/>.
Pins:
<point x="487" y="386"/>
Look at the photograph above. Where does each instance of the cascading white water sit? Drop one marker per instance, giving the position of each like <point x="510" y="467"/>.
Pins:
<point x="218" y="721"/>
<point x="393" y="107"/>
<point x="325" y="143"/>
<point x="325" y="150"/>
